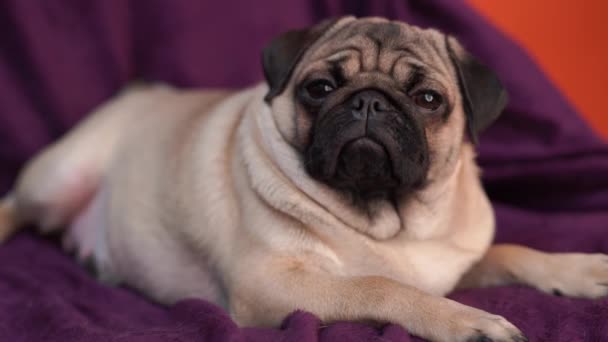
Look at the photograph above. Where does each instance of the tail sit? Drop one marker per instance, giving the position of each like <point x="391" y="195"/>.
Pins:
<point x="8" y="218"/>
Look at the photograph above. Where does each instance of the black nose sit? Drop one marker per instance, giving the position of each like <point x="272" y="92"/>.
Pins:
<point x="368" y="103"/>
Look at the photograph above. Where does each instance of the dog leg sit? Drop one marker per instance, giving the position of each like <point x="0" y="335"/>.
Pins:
<point x="56" y="185"/>
<point x="568" y="274"/>
<point x="267" y="297"/>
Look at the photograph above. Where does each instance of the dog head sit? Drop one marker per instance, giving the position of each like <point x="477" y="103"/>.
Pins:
<point x="377" y="107"/>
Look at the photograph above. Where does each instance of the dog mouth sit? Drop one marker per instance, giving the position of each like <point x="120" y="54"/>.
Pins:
<point x="363" y="165"/>
<point x="366" y="165"/>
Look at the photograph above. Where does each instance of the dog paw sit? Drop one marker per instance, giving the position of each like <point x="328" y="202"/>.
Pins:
<point x="575" y="275"/>
<point x="486" y="327"/>
<point x="467" y="324"/>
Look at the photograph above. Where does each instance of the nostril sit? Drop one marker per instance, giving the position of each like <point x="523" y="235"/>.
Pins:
<point x="377" y="106"/>
<point x="358" y="104"/>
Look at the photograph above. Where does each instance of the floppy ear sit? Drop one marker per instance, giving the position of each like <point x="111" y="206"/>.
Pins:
<point x="281" y="56"/>
<point x="483" y="95"/>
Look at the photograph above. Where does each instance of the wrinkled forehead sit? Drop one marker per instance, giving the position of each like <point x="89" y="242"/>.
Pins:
<point x="378" y="45"/>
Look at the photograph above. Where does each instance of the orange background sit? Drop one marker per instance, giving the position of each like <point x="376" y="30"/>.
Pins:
<point x="569" y="39"/>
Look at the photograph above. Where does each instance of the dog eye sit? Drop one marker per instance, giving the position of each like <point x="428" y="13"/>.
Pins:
<point x="319" y="89"/>
<point x="428" y="99"/>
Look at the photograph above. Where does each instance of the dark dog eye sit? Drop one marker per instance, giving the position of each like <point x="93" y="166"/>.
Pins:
<point x="319" y="89"/>
<point x="427" y="99"/>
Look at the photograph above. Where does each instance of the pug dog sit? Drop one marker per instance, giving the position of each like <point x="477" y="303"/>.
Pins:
<point x="345" y="185"/>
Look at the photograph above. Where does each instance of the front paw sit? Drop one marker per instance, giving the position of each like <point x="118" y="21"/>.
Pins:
<point x="467" y="324"/>
<point x="575" y="275"/>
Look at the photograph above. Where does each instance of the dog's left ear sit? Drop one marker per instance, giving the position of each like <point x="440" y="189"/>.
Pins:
<point x="281" y="56"/>
<point x="483" y="95"/>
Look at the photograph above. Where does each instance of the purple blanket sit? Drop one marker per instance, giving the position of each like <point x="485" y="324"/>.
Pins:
<point x="544" y="169"/>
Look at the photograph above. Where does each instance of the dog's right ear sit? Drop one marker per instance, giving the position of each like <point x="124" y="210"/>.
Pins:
<point x="281" y="56"/>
